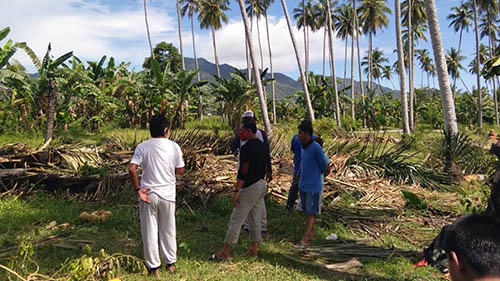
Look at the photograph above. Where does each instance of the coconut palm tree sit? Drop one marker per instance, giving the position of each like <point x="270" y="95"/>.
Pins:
<point x="454" y="63"/>
<point x="377" y="64"/>
<point x="415" y="18"/>
<point x="484" y="6"/>
<point x="190" y="8"/>
<point x="310" y="111"/>
<point x="387" y="74"/>
<point x="373" y="17"/>
<point x="356" y="32"/>
<point x="147" y="29"/>
<point x="333" y="77"/>
<point x="344" y="27"/>
<point x="424" y="60"/>
<point x="450" y="117"/>
<point x="461" y="19"/>
<point x="321" y="15"/>
<point x="401" y="68"/>
<point x="489" y="27"/>
<point x="260" y="91"/>
<point x="478" y="66"/>
<point x="211" y="17"/>
<point x="304" y="16"/>
<point x="256" y="8"/>
<point x="267" y="4"/>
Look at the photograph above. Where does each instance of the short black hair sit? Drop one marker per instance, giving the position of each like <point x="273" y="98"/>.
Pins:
<point x="476" y="238"/>
<point x="306" y="127"/>
<point x="157" y="125"/>
<point x="249" y="123"/>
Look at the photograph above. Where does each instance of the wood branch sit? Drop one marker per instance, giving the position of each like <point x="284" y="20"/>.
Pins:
<point x="18" y="172"/>
<point x="354" y="262"/>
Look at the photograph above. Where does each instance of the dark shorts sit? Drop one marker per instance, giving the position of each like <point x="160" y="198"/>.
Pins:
<point x="310" y="202"/>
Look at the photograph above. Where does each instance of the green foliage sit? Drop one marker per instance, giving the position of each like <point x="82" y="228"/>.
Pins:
<point x="166" y="55"/>
<point x="350" y="124"/>
<point x="324" y="127"/>
<point x="412" y="201"/>
<point x="88" y="170"/>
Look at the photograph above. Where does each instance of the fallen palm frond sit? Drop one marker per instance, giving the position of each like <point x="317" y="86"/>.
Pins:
<point x="86" y="268"/>
<point x="392" y="162"/>
<point x="341" y="251"/>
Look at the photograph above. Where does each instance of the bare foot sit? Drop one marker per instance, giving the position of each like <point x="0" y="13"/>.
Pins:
<point x="171" y="268"/>
<point x="221" y="255"/>
<point x="251" y="252"/>
<point x="156" y="273"/>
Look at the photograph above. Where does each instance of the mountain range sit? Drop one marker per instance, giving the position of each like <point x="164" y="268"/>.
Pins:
<point x="284" y="85"/>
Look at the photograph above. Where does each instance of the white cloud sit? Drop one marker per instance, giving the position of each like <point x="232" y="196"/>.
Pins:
<point x="90" y="29"/>
<point x="231" y="45"/>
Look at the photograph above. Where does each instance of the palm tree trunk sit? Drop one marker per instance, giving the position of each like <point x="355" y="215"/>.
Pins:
<point x="261" y="56"/>
<point x="247" y="56"/>
<point x="410" y="68"/>
<point x="306" y="63"/>
<point x="345" y="61"/>
<point x="260" y="92"/>
<point x="493" y="81"/>
<point x="459" y="48"/>
<point x="307" y="53"/>
<point x="401" y="66"/>
<point x="147" y="30"/>
<point x="180" y="34"/>
<point x="370" y="49"/>
<point x="324" y="52"/>
<point x="450" y="117"/>
<point x="353" y="35"/>
<point x="194" y="50"/>
<point x="273" y="88"/>
<point x="215" y="53"/>
<point x="260" y="45"/>
<point x="51" y="104"/>
<point x="332" y="61"/>
<point x="359" y="65"/>
<point x="310" y="111"/>
<point x="478" y="70"/>
<point x="198" y="77"/>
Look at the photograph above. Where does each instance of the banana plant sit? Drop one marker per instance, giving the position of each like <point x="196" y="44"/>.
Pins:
<point x="236" y="93"/>
<point x="48" y="71"/>
<point x="182" y="87"/>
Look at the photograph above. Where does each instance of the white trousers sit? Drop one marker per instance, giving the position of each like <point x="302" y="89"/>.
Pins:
<point x="158" y="227"/>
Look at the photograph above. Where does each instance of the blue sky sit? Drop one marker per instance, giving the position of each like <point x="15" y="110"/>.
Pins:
<point x="92" y="28"/>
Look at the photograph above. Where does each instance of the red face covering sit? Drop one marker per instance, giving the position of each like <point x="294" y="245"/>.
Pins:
<point x="242" y="134"/>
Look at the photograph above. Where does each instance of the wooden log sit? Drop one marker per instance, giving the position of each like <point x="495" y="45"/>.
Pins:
<point x="18" y="172"/>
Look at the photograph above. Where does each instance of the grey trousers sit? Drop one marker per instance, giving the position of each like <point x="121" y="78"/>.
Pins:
<point x="251" y="205"/>
<point x="158" y="227"/>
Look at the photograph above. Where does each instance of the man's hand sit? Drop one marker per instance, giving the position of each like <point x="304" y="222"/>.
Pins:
<point x="269" y="177"/>
<point x="235" y="198"/>
<point x="143" y="195"/>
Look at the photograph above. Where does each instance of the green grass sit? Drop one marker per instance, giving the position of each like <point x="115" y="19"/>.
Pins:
<point x="199" y="234"/>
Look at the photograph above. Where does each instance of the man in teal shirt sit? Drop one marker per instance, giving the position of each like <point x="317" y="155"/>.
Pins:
<point x="314" y="165"/>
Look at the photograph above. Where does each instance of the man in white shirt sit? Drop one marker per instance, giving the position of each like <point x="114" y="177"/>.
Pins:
<point x="161" y="159"/>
